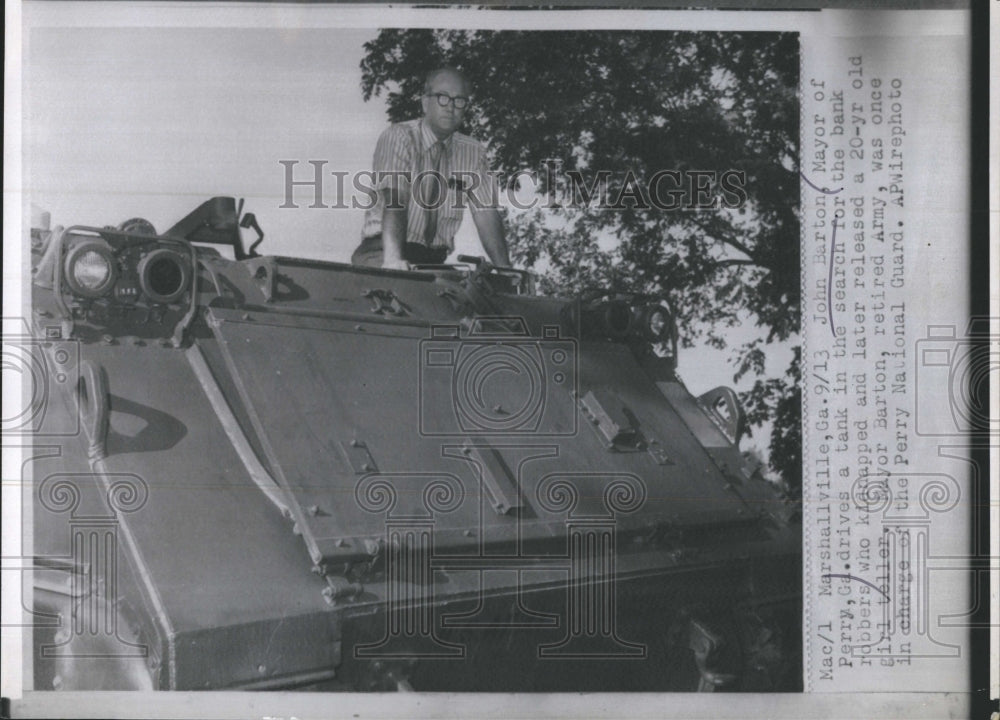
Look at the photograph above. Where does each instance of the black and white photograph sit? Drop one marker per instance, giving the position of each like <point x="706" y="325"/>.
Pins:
<point x="433" y="352"/>
<point x="346" y="450"/>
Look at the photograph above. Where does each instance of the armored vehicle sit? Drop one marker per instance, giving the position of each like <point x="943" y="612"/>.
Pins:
<point x="263" y="472"/>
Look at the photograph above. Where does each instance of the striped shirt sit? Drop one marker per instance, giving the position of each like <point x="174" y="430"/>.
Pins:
<point x="403" y="158"/>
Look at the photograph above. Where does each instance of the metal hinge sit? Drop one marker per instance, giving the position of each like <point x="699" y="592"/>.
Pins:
<point x="385" y="302"/>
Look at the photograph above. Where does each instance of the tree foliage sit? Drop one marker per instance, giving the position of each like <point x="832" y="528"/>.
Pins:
<point x="633" y="104"/>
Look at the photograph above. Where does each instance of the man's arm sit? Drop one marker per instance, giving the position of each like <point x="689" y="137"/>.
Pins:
<point x="393" y="230"/>
<point x="393" y="155"/>
<point x="491" y="235"/>
<point x="485" y="197"/>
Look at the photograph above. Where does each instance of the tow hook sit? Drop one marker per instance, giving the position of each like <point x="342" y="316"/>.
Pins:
<point x="706" y="645"/>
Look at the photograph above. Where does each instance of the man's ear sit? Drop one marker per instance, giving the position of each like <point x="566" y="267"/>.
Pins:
<point x="425" y="103"/>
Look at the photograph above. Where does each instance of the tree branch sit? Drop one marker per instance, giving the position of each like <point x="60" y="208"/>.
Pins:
<point x="724" y="238"/>
<point x="741" y="247"/>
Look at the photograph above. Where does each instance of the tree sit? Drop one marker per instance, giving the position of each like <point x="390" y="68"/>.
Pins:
<point x="608" y="111"/>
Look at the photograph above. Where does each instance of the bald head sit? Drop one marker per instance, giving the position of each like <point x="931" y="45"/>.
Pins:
<point x="453" y="73"/>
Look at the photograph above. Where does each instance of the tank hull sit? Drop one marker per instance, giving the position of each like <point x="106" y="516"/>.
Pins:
<point x="278" y="478"/>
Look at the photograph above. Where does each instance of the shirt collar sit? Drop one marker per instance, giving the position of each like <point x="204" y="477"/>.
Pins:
<point x="429" y="138"/>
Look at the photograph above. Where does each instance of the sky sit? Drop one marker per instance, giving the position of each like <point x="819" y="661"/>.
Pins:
<point x="150" y="122"/>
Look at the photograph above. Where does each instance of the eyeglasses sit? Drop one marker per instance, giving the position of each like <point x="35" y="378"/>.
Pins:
<point x="444" y="99"/>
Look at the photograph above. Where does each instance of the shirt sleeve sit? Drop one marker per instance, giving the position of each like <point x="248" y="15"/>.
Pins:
<point x="393" y="160"/>
<point x="486" y="193"/>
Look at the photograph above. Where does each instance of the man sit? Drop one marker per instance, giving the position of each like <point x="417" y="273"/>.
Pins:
<point x="425" y="174"/>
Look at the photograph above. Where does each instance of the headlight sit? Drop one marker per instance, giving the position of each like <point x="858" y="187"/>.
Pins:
<point x="608" y="318"/>
<point x="616" y="318"/>
<point x="659" y="328"/>
<point x="627" y="316"/>
<point x="658" y="323"/>
<point x="164" y="275"/>
<point x="91" y="269"/>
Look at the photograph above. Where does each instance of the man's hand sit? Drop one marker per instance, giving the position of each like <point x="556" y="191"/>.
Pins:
<point x="395" y="264"/>
<point x="393" y="231"/>
<point x="491" y="235"/>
